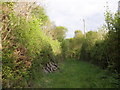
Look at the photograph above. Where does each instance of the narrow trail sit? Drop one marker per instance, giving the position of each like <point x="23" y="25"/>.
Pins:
<point x="77" y="74"/>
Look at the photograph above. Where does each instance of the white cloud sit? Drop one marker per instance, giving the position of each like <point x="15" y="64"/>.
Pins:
<point x="69" y="13"/>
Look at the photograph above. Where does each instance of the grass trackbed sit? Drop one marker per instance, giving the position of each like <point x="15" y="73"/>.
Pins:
<point x="76" y="74"/>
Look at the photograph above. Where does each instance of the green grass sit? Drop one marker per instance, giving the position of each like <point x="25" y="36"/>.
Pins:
<point x="76" y="74"/>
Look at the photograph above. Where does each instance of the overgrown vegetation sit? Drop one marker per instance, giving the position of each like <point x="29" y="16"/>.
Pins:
<point x="104" y="52"/>
<point x="25" y="47"/>
<point x="30" y="40"/>
<point x="77" y="74"/>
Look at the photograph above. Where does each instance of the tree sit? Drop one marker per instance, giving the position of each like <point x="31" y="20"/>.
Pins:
<point x="88" y="44"/>
<point x="112" y="39"/>
<point x="59" y="33"/>
<point x="75" y="44"/>
<point x="78" y="34"/>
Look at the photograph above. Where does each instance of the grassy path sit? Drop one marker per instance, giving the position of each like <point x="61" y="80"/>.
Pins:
<point x="77" y="74"/>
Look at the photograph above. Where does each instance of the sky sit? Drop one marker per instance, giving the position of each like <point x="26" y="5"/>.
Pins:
<point x="70" y="13"/>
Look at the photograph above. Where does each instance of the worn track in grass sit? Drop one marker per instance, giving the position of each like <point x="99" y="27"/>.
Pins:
<point x="76" y="74"/>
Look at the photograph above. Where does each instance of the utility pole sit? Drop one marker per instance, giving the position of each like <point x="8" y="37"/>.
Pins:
<point x="119" y="6"/>
<point x="119" y="9"/>
<point x="84" y="27"/>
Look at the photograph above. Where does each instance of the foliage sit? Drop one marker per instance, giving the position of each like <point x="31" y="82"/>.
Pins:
<point x="74" y="45"/>
<point x="102" y="47"/>
<point x="40" y="14"/>
<point x="59" y="33"/>
<point x="113" y="24"/>
<point x="25" y="47"/>
<point x="30" y="40"/>
<point x="78" y="34"/>
<point x="104" y="51"/>
<point x="89" y="42"/>
<point x="65" y="48"/>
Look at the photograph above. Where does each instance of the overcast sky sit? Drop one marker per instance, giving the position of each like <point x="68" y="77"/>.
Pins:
<point x="70" y="13"/>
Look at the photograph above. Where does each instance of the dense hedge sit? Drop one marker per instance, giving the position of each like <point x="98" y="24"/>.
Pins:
<point x="25" y="49"/>
<point x="104" y="52"/>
